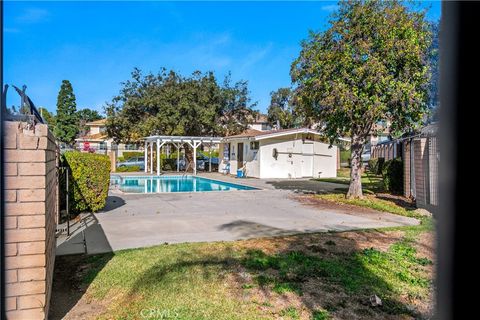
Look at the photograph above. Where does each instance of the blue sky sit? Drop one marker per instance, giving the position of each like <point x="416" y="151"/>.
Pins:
<point x="96" y="45"/>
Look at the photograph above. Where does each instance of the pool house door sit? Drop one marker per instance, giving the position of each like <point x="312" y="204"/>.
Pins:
<point x="307" y="159"/>
<point x="240" y="155"/>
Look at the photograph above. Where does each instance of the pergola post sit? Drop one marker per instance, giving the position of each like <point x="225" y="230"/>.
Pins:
<point x="158" y="157"/>
<point x="146" y="157"/>
<point x="159" y="146"/>
<point x="151" y="158"/>
<point x="194" y="160"/>
<point x="194" y="145"/>
<point x="210" y="158"/>
<point x="177" y="145"/>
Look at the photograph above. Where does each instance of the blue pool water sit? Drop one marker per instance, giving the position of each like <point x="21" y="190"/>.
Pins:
<point x="155" y="184"/>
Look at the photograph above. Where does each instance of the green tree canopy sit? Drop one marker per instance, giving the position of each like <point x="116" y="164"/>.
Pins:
<point x="48" y="117"/>
<point x="371" y="65"/>
<point x="170" y="104"/>
<point x="87" y="115"/>
<point x="281" y="108"/>
<point x="66" y="127"/>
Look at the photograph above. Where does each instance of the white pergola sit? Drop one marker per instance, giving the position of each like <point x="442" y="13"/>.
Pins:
<point x="178" y="142"/>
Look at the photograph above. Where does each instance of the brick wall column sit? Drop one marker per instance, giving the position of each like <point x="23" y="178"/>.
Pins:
<point x="30" y="211"/>
<point x="420" y="180"/>
<point x="406" y="168"/>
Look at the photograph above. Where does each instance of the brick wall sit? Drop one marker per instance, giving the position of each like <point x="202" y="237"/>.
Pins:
<point x="406" y="169"/>
<point x="31" y="191"/>
<point x="419" y="145"/>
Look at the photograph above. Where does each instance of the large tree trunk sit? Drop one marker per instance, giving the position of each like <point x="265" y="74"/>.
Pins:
<point x="355" y="188"/>
<point x="189" y="158"/>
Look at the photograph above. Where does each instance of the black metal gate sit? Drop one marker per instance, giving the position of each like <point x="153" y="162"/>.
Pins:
<point x="64" y="200"/>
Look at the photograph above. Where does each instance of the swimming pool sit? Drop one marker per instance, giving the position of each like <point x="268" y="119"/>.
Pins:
<point x="155" y="184"/>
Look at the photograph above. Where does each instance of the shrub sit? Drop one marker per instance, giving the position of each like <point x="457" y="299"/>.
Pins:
<point x="130" y="154"/>
<point x="376" y="165"/>
<point x="380" y="165"/>
<point x="89" y="179"/>
<point x="345" y="156"/>
<point x="128" y="169"/>
<point x="373" y="165"/>
<point x="392" y="173"/>
<point x="169" y="164"/>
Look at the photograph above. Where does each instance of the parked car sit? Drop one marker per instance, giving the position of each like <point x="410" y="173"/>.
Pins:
<point x="202" y="163"/>
<point x="366" y="157"/>
<point x="134" y="161"/>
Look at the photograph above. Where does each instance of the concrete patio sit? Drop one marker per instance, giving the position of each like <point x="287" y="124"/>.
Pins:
<point x="140" y="220"/>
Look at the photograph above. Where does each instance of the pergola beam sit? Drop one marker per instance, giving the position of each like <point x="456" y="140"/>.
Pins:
<point x="177" y="141"/>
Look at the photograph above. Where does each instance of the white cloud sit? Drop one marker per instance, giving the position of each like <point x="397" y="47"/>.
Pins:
<point x="33" y="15"/>
<point x="11" y="30"/>
<point x="256" y="56"/>
<point x="330" y="7"/>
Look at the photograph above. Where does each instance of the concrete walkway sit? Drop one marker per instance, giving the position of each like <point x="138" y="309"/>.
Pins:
<point x="139" y="220"/>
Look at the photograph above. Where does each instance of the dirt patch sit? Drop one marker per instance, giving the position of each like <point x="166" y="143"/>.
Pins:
<point x="328" y="243"/>
<point x="344" y="208"/>
<point x="425" y="245"/>
<point x="318" y="294"/>
<point x="69" y="299"/>
<point x="400" y="201"/>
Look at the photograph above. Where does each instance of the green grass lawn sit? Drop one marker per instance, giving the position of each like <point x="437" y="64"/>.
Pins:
<point x="370" y="182"/>
<point x="315" y="276"/>
<point x="374" y="196"/>
<point x="378" y="202"/>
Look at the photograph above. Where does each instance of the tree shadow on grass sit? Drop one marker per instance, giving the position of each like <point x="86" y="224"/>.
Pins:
<point x="400" y="201"/>
<point x="305" y="268"/>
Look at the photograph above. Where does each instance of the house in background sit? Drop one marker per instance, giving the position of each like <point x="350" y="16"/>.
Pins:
<point x="289" y="153"/>
<point x="260" y="123"/>
<point x="97" y="140"/>
<point x="379" y="134"/>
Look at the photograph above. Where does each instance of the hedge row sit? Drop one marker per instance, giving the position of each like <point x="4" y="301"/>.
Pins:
<point x="392" y="173"/>
<point x="89" y="179"/>
<point x="128" y="169"/>
<point x="375" y="166"/>
<point x="130" y="154"/>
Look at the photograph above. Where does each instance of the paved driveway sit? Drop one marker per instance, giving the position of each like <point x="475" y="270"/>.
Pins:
<point x="132" y="221"/>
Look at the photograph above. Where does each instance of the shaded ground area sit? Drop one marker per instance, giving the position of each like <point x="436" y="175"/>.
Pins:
<point x="312" y="276"/>
<point x="147" y="220"/>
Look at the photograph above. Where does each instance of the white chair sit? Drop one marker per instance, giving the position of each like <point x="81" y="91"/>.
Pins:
<point x="226" y="169"/>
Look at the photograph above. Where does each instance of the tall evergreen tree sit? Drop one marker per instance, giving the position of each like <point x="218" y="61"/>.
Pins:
<point x="48" y="117"/>
<point x="66" y="127"/>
